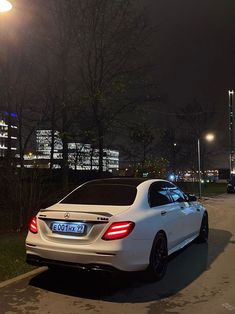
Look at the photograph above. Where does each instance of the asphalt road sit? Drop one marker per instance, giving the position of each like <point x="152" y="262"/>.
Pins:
<point x="200" y="279"/>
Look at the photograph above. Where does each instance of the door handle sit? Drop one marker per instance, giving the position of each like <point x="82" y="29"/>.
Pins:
<point x="163" y="213"/>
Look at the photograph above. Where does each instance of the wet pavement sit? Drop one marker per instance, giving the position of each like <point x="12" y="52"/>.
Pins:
<point x="200" y="279"/>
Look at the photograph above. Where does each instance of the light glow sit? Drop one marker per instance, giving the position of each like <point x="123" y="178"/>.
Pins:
<point x="210" y="137"/>
<point x="5" y="6"/>
<point x="172" y="177"/>
<point x="231" y="92"/>
<point x="33" y="226"/>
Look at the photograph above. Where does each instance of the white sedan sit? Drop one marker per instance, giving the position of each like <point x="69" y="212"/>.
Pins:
<point x="117" y="224"/>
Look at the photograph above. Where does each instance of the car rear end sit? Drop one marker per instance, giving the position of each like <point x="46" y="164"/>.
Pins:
<point x="84" y="236"/>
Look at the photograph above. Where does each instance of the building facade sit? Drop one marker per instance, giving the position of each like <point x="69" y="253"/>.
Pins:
<point x="4" y="141"/>
<point x="80" y="156"/>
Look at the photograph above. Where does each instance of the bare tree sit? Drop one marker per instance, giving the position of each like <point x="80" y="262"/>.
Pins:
<point x="111" y="35"/>
<point x="19" y="98"/>
<point x="194" y="120"/>
<point x="169" y="147"/>
<point x="57" y="38"/>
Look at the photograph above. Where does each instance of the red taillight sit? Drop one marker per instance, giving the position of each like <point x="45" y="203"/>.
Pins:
<point x="33" y="226"/>
<point x="118" y="230"/>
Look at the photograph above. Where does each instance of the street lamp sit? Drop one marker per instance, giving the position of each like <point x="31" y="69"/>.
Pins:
<point x="209" y="138"/>
<point x="231" y="131"/>
<point x="174" y="161"/>
<point x="5" y="6"/>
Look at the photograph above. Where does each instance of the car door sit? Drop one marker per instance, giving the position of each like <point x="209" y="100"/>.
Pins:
<point x="168" y="212"/>
<point x="190" y="211"/>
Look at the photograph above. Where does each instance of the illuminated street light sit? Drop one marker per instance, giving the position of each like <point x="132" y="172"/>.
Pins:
<point x="210" y="138"/>
<point x="5" y="6"/>
<point x="173" y="177"/>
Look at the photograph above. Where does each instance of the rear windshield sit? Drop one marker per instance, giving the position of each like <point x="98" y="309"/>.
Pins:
<point x="102" y="194"/>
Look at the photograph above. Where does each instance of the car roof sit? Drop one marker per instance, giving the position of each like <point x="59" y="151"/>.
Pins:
<point x="122" y="181"/>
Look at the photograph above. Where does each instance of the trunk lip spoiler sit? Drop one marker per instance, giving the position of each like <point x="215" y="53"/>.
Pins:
<point x="77" y="211"/>
<point x="94" y="222"/>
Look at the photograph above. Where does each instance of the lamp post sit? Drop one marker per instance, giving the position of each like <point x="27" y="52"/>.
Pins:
<point x="199" y="167"/>
<point x="174" y="160"/>
<point x="231" y="130"/>
<point x="209" y="138"/>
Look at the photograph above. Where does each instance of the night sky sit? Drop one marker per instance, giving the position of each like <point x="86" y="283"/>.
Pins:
<point x="194" y="53"/>
<point x="194" y="50"/>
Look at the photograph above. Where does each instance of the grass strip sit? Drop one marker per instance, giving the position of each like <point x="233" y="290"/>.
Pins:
<point x="12" y="255"/>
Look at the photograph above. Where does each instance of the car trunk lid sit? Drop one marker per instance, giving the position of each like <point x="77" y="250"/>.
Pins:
<point x="59" y="222"/>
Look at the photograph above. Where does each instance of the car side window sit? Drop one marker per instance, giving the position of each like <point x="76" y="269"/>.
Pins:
<point x="158" y="195"/>
<point x="177" y="195"/>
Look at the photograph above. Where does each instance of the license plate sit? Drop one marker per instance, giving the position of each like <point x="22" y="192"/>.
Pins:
<point x="68" y="228"/>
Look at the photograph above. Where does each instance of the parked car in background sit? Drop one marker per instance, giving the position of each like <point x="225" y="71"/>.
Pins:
<point x="117" y="224"/>
<point x="231" y="185"/>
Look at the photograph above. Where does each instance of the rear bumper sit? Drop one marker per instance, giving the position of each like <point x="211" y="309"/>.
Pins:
<point x="116" y="258"/>
<point x="39" y="261"/>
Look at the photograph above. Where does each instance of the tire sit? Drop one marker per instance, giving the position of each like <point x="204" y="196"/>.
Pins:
<point x="158" y="259"/>
<point x="204" y="230"/>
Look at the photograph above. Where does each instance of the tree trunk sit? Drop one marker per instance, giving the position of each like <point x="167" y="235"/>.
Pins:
<point x="101" y="146"/>
<point x="9" y="134"/>
<point x="52" y="137"/>
<point x="65" y="149"/>
<point x="91" y="158"/>
<point x="20" y="139"/>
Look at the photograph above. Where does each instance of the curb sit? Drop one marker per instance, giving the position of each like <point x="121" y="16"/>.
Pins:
<point x="34" y="272"/>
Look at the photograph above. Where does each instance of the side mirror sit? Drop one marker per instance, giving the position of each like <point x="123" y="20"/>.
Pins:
<point x="192" y="198"/>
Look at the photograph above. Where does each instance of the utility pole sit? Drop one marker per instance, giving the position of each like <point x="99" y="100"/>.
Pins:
<point x="174" y="160"/>
<point x="209" y="138"/>
<point x="199" y="168"/>
<point x="231" y="130"/>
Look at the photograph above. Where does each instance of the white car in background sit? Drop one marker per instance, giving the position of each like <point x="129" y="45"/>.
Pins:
<point x="125" y="224"/>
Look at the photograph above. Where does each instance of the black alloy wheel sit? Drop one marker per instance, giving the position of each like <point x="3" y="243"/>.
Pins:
<point x="204" y="230"/>
<point x="158" y="259"/>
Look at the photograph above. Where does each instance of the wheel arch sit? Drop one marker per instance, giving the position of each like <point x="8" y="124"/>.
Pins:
<point x="161" y="231"/>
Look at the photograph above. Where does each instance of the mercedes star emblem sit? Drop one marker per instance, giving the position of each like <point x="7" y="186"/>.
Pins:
<point x="66" y="215"/>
